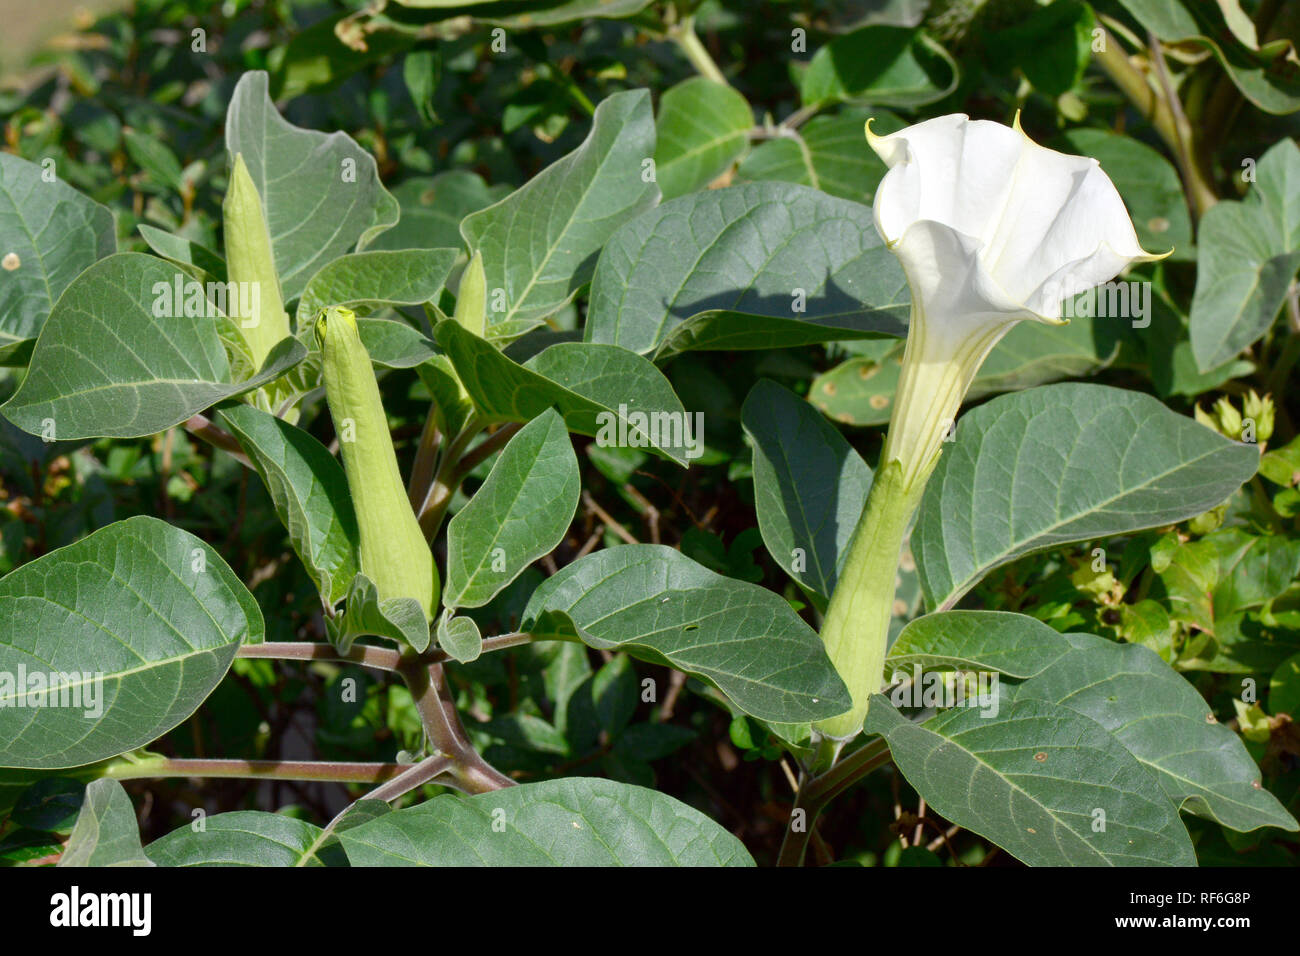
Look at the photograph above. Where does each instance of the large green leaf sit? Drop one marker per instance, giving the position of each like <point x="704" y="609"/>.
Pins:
<point x="809" y="485"/>
<point x="577" y="821"/>
<point x="1048" y="785"/>
<point x="589" y="385"/>
<point x="49" y="234"/>
<point x="1013" y="644"/>
<point x="539" y="243"/>
<point x="1166" y="724"/>
<point x="140" y="616"/>
<point x="519" y="514"/>
<point x="826" y="153"/>
<point x="881" y="64"/>
<point x="1061" y="463"/>
<point x="659" y="605"/>
<point x="309" y="492"/>
<point x="106" y="833"/>
<point x="321" y="192"/>
<point x="760" y="265"/>
<point x="702" y="129"/>
<point x="1249" y="253"/>
<point x="106" y="365"/>
<point x="239" y="838"/>
<point x="432" y="208"/>
<point x="368" y="280"/>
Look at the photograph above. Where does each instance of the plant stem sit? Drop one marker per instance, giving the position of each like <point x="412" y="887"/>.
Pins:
<point x="426" y="456"/>
<point x="380" y="658"/>
<point x="309" y="770"/>
<point x="203" y="427"/>
<point x="442" y="725"/>
<point x="1159" y="112"/>
<point x="856" y="629"/>
<point x="688" y="41"/>
<point x="415" y="776"/>
<point x="815" y="793"/>
<point x="444" y="485"/>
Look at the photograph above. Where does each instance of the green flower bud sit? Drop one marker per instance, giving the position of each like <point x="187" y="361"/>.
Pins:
<point x="1260" y="411"/>
<point x="471" y="298"/>
<point x="1205" y="418"/>
<point x="250" y="265"/>
<point x="1229" y="418"/>
<point x="394" y="553"/>
<point x="1207" y="521"/>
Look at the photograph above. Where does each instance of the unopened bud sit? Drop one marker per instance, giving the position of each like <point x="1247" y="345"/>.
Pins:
<point x="394" y="552"/>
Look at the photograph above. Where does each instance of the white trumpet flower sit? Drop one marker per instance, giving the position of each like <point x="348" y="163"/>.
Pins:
<point x="992" y="229"/>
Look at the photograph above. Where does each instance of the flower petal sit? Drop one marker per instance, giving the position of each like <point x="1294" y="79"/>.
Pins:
<point x="1045" y="225"/>
<point x="954" y="294"/>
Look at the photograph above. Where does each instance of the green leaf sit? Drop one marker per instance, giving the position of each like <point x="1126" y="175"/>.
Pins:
<point x="49" y="234"/>
<point x="760" y="265"/>
<point x="433" y="207"/>
<point x="826" y="153"/>
<point x="321" y="193"/>
<point x="702" y="129"/>
<point x="397" y="619"/>
<point x="394" y="344"/>
<point x="1267" y="76"/>
<point x="366" y="281"/>
<point x="589" y="385"/>
<point x="203" y="262"/>
<point x="1034" y="353"/>
<point x="1148" y="184"/>
<point x="107" y="366"/>
<point x="1051" y="46"/>
<point x="1013" y="644"/>
<point x="460" y="637"/>
<point x="51" y="804"/>
<point x="106" y="833"/>
<point x="660" y="606"/>
<point x="146" y="617"/>
<point x="1249" y="253"/>
<point x="239" y="838"/>
<point x="1164" y="723"/>
<point x="1284" y="688"/>
<point x="1252" y="569"/>
<point x="309" y="492"/>
<point x="880" y="64"/>
<point x="154" y="157"/>
<point x="539" y="243"/>
<point x="1033" y="780"/>
<point x="519" y="514"/>
<point x="577" y="821"/>
<point x="1061" y="463"/>
<point x="315" y="60"/>
<point x="810" y="486"/>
